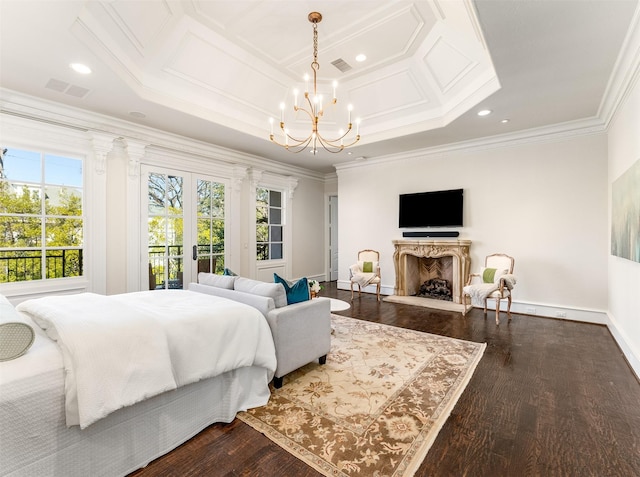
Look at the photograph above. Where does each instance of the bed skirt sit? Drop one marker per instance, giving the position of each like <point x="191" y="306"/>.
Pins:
<point x="34" y="439"/>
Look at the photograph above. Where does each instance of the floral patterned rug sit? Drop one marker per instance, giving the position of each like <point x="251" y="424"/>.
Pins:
<point x="377" y="404"/>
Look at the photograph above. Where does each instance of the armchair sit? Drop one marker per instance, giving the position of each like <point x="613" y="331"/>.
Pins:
<point x="496" y="282"/>
<point x="366" y="271"/>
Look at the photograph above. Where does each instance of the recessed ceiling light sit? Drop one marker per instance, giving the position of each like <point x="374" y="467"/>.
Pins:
<point x="80" y="68"/>
<point x="484" y="112"/>
<point x="504" y="121"/>
<point x="361" y="57"/>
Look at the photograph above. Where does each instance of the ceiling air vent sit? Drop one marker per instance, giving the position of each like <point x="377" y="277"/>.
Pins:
<point x="341" y="65"/>
<point x="57" y="85"/>
<point x="77" y="91"/>
<point x="64" y="87"/>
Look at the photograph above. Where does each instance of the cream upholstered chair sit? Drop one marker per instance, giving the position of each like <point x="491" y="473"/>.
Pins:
<point x="366" y="271"/>
<point x="496" y="282"/>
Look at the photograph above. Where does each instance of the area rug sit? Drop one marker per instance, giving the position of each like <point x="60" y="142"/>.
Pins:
<point x="377" y="404"/>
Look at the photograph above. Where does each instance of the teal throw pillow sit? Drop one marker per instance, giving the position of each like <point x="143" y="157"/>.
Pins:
<point x="228" y="272"/>
<point x="296" y="292"/>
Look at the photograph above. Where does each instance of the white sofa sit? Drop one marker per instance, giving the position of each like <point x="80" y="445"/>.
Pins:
<point x="301" y="331"/>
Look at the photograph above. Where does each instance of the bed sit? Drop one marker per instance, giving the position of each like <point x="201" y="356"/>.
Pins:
<point x="39" y="434"/>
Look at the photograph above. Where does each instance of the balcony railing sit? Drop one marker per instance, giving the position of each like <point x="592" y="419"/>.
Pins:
<point x="24" y="265"/>
<point x="210" y="259"/>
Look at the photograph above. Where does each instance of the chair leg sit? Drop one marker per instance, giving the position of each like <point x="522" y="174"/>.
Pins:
<point x="322" y="359"/>
<point x="277" y="382"/>
<point x="351" y="291"/>
<point x="485" y="307"/>
<point x="378" y="291"/>
<point x="359" y="291"/>
<point x="497" y="311"/>
<point x="509" y="307"/>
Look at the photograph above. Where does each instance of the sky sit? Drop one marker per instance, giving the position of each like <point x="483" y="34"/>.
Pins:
<point x="26" y="166"/>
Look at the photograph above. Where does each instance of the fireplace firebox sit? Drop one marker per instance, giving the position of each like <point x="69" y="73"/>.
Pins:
<point x="438" y="267"/>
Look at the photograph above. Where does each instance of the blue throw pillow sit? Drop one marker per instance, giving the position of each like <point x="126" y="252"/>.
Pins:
<point x="230" y="273"/>
<point x="296" y="292"/>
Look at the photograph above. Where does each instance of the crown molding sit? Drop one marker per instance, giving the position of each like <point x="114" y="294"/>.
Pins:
<point x="544" y="134"/>
<point x="625" y="72"/>
<point x="36" y="109"/>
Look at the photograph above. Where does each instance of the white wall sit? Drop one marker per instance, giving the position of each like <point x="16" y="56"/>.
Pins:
<point x="543" y="203"/>
<point x="624" y="275"/>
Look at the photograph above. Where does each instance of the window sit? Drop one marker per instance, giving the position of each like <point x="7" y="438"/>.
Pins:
<point x="269" y="224"/>
<point x="41" y="216"/>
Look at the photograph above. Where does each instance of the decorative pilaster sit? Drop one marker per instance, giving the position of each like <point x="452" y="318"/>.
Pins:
<point x="101" y="144"/>
<point x="135" y="151"/>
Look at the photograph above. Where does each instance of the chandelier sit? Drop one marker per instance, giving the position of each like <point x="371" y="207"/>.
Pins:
<point x="312" y="106"/>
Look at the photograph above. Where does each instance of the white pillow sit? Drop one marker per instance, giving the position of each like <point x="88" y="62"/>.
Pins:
<point x="218" y="281"/>
<point x="270" y="290"/>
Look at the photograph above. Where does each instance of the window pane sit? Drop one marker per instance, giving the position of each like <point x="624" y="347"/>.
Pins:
<point x="276" y="233"/>
<point x="22" y="166"/>
<point x="262" y="196"/>
<point x="60" y="232"/>
<point x="62" y="171"/>
<point x="275" y="198"/>
<point x="262" y="215"/>
<point x="262" y="233"/>
<point x="20" y="231"/>
<point x="64" y="263"/>
<point x="174" y="232"/>
<point x="275" y="216"/>
<point x="276" y="251"/>
<point x="204" y="232"/>
<point x="217" y="238"/>
<point x="156" y="194"/>
<point x="62" y="201"/>
<point x="157" y="233"/>
<point x="174" y="195"/>
<point x="20" y="265"/>
<point x="262" y="251"/>
<point x="217" y="200"/>
<point x="18" y="198"/>
<point x="204" y="198"/>
<point x="175" y="273"/>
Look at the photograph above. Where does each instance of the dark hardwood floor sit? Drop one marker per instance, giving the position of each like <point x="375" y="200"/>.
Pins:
<point x="549" y="398"/>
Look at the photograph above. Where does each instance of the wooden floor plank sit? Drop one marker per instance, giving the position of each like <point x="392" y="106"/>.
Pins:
<point x="549" y="398"/>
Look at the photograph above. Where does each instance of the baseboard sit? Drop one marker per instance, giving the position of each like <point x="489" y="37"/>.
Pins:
<point x="631" y="354"/>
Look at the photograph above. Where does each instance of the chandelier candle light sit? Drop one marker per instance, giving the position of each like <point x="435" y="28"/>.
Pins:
<point x="314" y="109"/>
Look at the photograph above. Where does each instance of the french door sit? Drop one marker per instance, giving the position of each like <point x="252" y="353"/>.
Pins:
<point x="183" y="227"/>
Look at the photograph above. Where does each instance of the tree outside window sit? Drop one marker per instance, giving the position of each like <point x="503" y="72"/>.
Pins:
<point x="269" y="224"/>
<point x="41" y="216"/>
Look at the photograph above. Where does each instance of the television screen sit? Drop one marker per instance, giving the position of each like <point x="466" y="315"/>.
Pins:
<point x="431" y="209"/>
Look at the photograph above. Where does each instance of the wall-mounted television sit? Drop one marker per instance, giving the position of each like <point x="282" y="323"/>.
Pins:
<point x="441" y="208"/>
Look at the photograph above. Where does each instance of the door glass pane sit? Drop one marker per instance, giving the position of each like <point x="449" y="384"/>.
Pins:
<point x="165" y="231"/>
<point x="210" y="226"/>
<point x="276" y="251"/>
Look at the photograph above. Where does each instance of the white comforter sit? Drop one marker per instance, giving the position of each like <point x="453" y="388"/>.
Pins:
<point x="122" y="349"/>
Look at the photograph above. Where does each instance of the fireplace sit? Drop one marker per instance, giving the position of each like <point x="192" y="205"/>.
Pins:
<point x="431" y="273"/>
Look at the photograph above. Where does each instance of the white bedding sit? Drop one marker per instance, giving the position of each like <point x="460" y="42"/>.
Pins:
<point x="121" y="349"/>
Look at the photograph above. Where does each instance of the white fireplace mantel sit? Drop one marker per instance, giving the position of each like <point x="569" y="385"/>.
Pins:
<point x="403" y="259"/>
